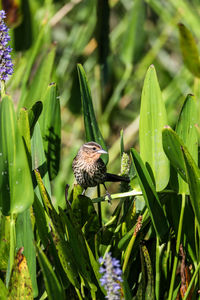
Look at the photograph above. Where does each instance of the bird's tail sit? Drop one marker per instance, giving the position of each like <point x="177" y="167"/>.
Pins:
<point x="116" y="178"/>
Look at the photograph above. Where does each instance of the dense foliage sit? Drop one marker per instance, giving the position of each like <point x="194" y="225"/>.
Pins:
<point x="124" y="74"/>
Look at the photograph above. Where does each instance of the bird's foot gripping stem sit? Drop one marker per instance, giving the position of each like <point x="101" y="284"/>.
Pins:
<point x="107" y="194"/>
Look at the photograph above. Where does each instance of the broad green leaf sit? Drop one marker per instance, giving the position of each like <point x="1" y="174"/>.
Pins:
<point x="189" y="50"/>
<point x="15" y="180"/>
<point x="42" y="225"/>
<point x="92" y="131"/>
<point x="25" y="239"/>
<point x="152" y="120"/>
<point x="78" y="247"/>
<point x="151" y="198"/>
<point x="50" y="125"/>
<point x="20" y="284"/>
<point x="33" y="114"/>
<point x="53" y="286"/>
<point x="4" y="241"/>
<point x="39" y="160"/>
<point x="3" y="291"/>
<point x="85" y="214"/>
<point x="64" y="250"/>
<point x="40" y="82"/>
<point x="193" y="179"/>
<point x="23" y="123"/>
<point x="172" y="146"/>
<point x="186" y="130"/>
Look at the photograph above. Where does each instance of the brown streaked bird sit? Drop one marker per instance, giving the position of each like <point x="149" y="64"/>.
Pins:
<point x="90" y="170"/>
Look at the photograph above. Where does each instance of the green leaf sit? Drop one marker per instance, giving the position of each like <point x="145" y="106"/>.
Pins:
<point x="23" y="123"/>
<point x="4" y="241"/>
<point x="152" y="120"/>
<point x="193" y="179"/>
<point x="189" y="50"/>
<point x="63" y="248"/>
<point x="186" y="130"/>
<point x="25" y="239"/>
<point x="15" y="181"/>
<point x="52" y="285"/>
<point x="149" y="292"/>
<point x="78" y="247"/>
<point x="40" y="82"/>
<point x="151" y="198"/>
<point x="33" y="115"/>
<point x="20" y="284"/>
<point x="42" y="225"/>
<point x="50" y="125"/>
<point x="3" y="291"/>
<point x="172" y="146"/>
<point x="91" y="127"/>
<point x="39" y="160"/>
<point x="85" y="214"/>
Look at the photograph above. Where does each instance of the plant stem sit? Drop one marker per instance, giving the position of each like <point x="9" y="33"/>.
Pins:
<point x="157" y="280"/>
<point x="130" y="245"/>
<point x="99" y="206"/>
<point x="191" y="282"/>
<point x="177" y="248"/>
<point x="3" y="91"/>
<point x="12" y="241"/>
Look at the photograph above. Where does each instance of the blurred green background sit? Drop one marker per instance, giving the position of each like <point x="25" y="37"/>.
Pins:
<point x="116" y="41"/>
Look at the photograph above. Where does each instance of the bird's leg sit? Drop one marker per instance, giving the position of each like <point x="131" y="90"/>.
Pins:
<point x="83" y="192"/>
<point x="107" y="194"/>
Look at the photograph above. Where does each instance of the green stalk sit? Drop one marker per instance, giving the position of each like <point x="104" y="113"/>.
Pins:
<point x="177" y="248"/>
<point x="3" y="91"/>
<point x="191" y="282"/>
<point x="12" y="242"/>
<point x="157" y="287"/>
<point x="159" y="250"/>
<point x="130" y="245"/>
<point x="99" y="206"/>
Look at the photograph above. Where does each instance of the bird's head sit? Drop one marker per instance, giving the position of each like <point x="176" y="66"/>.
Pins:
<point x="92" y="151"/>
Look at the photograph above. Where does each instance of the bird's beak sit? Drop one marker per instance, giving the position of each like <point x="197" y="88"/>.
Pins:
<point x="102" y="151"/>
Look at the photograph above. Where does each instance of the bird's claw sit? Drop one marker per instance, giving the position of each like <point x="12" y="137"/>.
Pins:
<point x="109" y="197"/>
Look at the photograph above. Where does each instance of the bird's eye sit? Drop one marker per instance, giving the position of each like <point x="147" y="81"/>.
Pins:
<point x="94" y="148"/>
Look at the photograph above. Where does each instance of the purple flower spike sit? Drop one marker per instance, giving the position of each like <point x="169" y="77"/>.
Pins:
<point x="6" y="65"/>
<point x="111" y="277"/>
